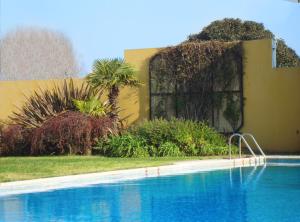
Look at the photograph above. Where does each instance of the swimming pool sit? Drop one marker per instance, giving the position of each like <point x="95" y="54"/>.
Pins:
<point x="270" y="193"/>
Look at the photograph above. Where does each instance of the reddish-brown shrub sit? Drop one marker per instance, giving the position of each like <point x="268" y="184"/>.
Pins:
<point x="14" y="140"/>
<point x="69" y="133"/>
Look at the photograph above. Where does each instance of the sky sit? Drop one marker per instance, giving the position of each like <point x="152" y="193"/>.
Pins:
<point x="104" y="28"/>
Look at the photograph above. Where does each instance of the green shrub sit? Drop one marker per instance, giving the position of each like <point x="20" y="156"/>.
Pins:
<point x="169" y="149"/>
<point x="154" y="132"/>
<point x="191" y="137"/>
<point x="152" y="150"/>
<point x="125" y="145"/>
<point x="210" y="150"/>
<point x="160" y="138"/>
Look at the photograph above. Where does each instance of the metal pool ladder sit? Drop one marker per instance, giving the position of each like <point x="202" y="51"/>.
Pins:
<point x="242" y="139"/>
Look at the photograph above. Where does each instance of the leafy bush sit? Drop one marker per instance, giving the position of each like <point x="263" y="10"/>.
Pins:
<point x="169" y="149"/>
<point x="15" y="140"/>
<point x="125" y="145"/>
<point x="154" y="132"/>
<point x="192" y="137"/>
<point x="69" y="133"/>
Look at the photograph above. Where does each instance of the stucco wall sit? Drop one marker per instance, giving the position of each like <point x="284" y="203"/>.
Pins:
<point x="133" y="103"/>
<point x="14" y="93"/>
<point x="272" y="104"/>
<point x="139" y="58"/>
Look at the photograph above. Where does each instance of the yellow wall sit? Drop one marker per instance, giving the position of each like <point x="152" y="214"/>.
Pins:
<point x="139" y="58"/>
<point x="272" y="106"/>
<point x="134" y="103"/>
<point x="13" y="94"/>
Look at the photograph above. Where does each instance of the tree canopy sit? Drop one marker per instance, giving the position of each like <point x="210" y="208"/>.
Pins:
<point x="230" y="29"/>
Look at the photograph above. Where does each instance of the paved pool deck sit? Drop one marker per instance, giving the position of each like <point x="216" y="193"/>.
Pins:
<point x="179" y="167"/>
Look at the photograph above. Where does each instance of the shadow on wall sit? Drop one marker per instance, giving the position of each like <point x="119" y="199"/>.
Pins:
<point x="128" y="102"/>
<point x="140" y="60"/>
<point x="144" y="105"/>
<point x="134" y="102"/>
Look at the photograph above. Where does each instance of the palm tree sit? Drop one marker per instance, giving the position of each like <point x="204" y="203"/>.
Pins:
<point x="112" y="74"/>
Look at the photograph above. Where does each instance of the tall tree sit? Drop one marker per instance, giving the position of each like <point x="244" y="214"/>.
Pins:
<point x="112" y="74"/>
<point x="36" y="53"/>
<point x="230" y="29"/>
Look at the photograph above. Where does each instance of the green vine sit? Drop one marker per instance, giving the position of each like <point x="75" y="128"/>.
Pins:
<point x="199" y="73"/>
<point x="231" y="113"/>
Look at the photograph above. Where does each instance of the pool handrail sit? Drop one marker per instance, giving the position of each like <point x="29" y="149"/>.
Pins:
<point x="242" y="139"/>
<point x="255" y="142"/>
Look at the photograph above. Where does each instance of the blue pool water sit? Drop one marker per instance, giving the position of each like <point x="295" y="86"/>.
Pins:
<point x="264" y="194"/>
<point x="284" y="161"/>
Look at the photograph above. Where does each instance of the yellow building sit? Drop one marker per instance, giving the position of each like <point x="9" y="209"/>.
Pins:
<point x="272" y="106"/>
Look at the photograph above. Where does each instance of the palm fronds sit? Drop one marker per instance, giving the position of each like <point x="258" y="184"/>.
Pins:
<point x="93" y="107"/>
<point x="112" y="72"/>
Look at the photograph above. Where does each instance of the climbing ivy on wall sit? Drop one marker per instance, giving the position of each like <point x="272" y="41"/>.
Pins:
<point x="201" y="78"/>
<point x="198" y="80"/>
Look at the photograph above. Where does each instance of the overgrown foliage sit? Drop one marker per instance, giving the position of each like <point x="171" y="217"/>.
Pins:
<point x="160" y="138"/>
<point x="188" y="60"/>
<point x="126" y="145"/>
<point x="202" y="76"/>
<point x="47" y="103"/>
<point x="230" y="29"/>
<point x="192" y="137"/>
<point x="69" y="133"/>
<point x="286" y="56"/>
<point x="169" y="149"/>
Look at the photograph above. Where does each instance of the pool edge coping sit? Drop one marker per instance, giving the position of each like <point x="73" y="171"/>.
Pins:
<point x="89" y="179"/>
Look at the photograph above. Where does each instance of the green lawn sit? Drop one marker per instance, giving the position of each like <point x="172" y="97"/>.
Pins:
<point x="25" y="168"/>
